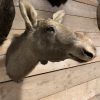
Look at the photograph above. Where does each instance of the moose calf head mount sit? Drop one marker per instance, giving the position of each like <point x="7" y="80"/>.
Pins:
<point x="45" y="40"/>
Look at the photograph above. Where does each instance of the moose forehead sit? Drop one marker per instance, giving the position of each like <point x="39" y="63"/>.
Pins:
<point x="58" y="26"/>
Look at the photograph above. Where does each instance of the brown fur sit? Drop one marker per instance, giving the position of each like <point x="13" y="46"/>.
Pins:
<point x="45" y="40"/>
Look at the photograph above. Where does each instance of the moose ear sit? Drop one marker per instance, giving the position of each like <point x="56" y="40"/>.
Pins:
<point x="58" y="16"/>
<point x="33" y="16"/>
<point x="28" y="12"/>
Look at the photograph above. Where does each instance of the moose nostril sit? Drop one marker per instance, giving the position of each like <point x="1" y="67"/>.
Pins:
<point x="88" y="53"/>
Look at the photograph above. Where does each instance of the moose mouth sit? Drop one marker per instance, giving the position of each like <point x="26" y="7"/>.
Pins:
<point x="77" y="58"/>
<point x="85" y="53"/>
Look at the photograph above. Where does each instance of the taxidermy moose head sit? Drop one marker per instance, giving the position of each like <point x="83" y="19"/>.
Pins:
<point x="45" y="40"/>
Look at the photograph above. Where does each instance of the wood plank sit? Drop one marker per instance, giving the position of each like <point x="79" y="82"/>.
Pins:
<point x="83" y="91"/>
<point x="95" y="37"/>
<point x="80" y="92"/>
<point x="70" y="8"/>
<point x="58" y="96"/>
<point x="81" y="24"/>
<point x="97" y="90"/>
<point x="91" y="2"/>
<point x="50" y="83"/>
<point x="98" y="51"/>
<point x="73" y="22"/>
<point x="79" y="9"/>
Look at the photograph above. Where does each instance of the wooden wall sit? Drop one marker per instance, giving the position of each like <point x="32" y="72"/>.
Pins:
<point x="52" y="78"/>
<point x="81" y="92"/>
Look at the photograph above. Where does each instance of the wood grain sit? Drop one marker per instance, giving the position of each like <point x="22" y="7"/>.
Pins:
<point x="85" y="91"/>
<point x="74" y="22"/>
<point x="91" y="2"/>
<point x="58" y="96"/>
<point x="36" y="87"/>
<point x="70" y="8"/>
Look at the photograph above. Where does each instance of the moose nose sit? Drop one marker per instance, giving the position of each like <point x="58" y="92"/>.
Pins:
<point x="89" y="54"/>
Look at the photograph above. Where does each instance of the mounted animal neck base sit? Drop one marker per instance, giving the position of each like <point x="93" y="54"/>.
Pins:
<point x="45" y="40"/>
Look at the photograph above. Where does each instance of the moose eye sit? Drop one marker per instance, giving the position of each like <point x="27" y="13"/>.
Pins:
<point x="50" y="29"/>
